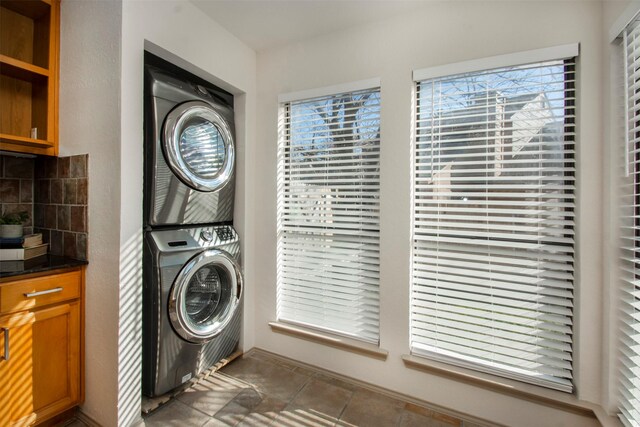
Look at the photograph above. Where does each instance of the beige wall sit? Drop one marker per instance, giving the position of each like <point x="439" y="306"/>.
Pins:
<point x="101" y="113"/>
<point x="441" y="33"/>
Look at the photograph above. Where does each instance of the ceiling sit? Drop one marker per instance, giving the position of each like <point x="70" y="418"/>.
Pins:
<point x="264" y="24"/>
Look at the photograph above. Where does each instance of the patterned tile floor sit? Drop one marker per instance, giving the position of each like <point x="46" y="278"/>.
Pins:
<point x="260" y="390"/>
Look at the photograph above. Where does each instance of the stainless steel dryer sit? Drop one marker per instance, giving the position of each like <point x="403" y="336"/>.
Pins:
<point x="191" y="303"/>
<point x="189" y="148"/>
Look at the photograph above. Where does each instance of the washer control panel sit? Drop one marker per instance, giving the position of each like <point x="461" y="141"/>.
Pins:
<point x="194" y="238"/>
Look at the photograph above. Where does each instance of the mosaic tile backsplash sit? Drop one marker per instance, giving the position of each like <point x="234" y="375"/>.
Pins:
<point x="60" y="204"/>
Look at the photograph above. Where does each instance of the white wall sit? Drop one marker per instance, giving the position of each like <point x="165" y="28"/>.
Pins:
<point x="90" y="123"/>
<point x="443" y="32"/>
<point x="101" y="113"/>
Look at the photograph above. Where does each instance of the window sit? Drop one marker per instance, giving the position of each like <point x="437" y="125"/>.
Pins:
<point x="328" y="213"/>
<point x="630" y="234"/>
<point x="493" y="220"/>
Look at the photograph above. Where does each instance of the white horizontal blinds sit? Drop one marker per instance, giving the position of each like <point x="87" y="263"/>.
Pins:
<point x="493" y="222"/>
<point x="630" y="238"/>
<point x="328" y="214"/>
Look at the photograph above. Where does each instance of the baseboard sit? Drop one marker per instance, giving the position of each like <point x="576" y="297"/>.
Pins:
<point x="90" y="422"/>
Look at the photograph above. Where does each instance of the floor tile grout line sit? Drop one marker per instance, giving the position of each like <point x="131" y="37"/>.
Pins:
<point x="304" y="385"/>
<point x="353" y="392"/>
<point x="191" y="407"/>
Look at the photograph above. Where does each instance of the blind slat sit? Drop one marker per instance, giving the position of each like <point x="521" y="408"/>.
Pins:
<point x="629" y="374"/>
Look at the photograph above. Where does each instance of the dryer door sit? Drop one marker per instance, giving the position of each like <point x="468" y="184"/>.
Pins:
<point x="205" y="295"/>
<point x="198" y="146"/>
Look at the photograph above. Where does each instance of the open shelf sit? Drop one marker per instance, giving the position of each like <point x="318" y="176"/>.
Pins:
<point x="33" y="9"/>
<point x="21" y="70"/>
<point x="29" y="75"/>
<point x="12" y="139"/>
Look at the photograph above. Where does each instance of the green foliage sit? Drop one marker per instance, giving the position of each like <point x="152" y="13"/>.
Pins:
<point x="15" y="218"/>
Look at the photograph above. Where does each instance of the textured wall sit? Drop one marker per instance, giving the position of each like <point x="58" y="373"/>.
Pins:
<point x="90" y="123"/>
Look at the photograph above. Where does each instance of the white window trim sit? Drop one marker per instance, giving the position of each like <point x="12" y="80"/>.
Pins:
<point x="500" y="61"/>
<point x="336" y="341"/>
<point x="624" y="20"/>
<point x="328" y="90"/>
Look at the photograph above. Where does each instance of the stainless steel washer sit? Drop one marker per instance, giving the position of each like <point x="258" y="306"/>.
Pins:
<point x="191" y="303"/>
<point x="189" y="148"/>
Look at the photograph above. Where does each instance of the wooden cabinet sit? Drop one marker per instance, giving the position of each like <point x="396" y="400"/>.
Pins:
<point x="41" y="346"/>
<point x="29" y="57"/>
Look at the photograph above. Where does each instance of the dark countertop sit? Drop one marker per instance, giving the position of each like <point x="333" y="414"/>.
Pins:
<point x="40" y="264"/>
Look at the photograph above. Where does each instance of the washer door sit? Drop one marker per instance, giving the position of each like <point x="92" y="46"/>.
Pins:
<point x="205" y="295"/>
<point x="198" y="146"/>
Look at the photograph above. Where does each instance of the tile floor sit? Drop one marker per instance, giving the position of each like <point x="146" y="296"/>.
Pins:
<point x="260" y="390"/>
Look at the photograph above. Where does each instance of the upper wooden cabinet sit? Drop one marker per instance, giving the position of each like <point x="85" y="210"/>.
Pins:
<point x="29" y="56"/>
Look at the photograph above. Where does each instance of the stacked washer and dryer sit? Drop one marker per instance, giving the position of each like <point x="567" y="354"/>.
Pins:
<point x="191" y="275"/>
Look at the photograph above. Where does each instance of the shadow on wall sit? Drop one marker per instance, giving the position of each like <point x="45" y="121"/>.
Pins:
<point x="130" y="331"/>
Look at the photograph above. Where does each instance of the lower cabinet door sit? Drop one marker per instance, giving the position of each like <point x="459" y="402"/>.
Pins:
<point x="43" y="364"/>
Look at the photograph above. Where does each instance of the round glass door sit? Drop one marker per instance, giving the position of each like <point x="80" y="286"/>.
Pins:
<point x="205" y="295"/>
<point x="198" y="146"/>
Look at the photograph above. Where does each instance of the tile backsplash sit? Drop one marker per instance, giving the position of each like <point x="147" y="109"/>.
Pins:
<point x="16" y="187"/>
<point x="60" y="204"/>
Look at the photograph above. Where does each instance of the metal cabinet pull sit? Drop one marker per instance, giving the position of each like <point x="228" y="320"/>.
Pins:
<point x="6" y="343"/>
<point x="48" y="291"/>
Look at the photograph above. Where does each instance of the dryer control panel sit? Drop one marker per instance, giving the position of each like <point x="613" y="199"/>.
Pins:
<point x="224" y="233"/>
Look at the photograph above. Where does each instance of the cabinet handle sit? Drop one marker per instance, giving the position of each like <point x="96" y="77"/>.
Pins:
<point x="6" y="343"/>
<point x="48" y="291"/>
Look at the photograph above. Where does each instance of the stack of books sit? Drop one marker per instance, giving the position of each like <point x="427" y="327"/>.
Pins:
<point x="22" y="248"/>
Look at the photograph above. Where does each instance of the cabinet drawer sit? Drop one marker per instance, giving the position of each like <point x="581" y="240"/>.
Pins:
<point x="31" y="293"/>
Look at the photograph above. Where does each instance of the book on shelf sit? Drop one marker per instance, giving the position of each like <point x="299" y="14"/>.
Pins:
<point x="11" y="242"/>
<point x="31" y="240"/>
<point x="21" y="254"/>
<point x="27" y="241"/>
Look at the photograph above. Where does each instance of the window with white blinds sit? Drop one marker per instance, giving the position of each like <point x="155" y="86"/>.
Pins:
<point x="493" y="222"/>
<point x="630" y="236"/>
<point x="328" y="214"/>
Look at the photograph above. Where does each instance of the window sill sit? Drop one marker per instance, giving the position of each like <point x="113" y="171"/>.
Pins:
<point x="341" y="343"/>
<point x="532" y="393"/>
